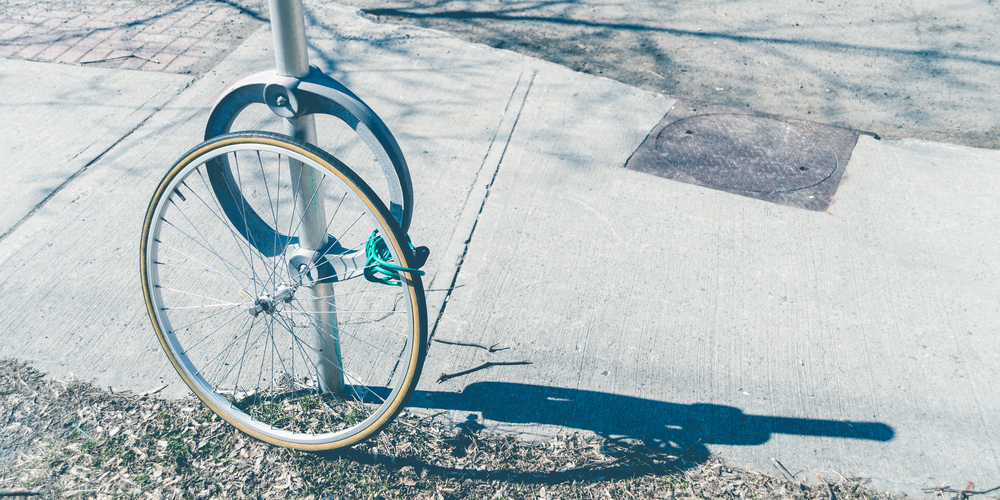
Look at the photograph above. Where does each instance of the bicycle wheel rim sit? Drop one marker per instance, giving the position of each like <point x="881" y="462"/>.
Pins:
<point x="177" y="342"/>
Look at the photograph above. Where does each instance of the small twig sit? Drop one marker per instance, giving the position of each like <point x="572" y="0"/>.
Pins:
<point x="119" y="58"/>
<point x="88" y="436"/>
<point x="576" y="448"/>
<point x="842" y="478"/>
<point x="655" y="74"/>
<point x="408" y="424"/>
<point x="492" y="348"/>
<point x="475" y="443"/>
<point x="593" y="465"/>
<point x="948" y="489"/>
<point x="784" y="471"/>
<point x="153" y="391"/>
<point x="430" y="418"/>
<point x="829" y="489"/>
<point x="446" y="376"/>
<point x="18" y="492"/>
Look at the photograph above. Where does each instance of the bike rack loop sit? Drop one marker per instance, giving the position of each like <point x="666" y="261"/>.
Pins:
<point x="318" y="93"/>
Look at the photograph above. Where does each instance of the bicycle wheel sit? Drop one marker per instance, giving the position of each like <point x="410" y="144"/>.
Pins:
<point x="312" y="346"/>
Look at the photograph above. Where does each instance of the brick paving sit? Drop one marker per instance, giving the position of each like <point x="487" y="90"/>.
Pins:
<point x="175" y="36"/>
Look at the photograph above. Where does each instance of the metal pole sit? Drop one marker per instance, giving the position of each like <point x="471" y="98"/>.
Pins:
<point x="291" y="58"/>
<point x="288" y="27"/>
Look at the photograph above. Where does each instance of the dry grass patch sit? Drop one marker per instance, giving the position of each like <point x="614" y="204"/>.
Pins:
<point x="72" y="440"/>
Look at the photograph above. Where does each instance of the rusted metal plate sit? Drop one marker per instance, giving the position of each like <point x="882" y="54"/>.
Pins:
<point x="782" y="160"/>
<point x="746" y="152"/>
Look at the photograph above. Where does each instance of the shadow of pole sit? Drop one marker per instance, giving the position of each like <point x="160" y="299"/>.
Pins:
<point x="676" y="429"/>
<point x="644" y="436"/>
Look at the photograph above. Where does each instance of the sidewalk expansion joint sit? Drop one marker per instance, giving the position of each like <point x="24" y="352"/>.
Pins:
<point x="84" y="168"/>
<point x="492" y="161"/>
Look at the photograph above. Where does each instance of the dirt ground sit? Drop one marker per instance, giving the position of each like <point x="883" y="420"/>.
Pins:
<point x="900" y="68"/>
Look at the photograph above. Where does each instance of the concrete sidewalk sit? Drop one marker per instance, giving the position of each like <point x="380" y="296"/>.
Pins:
<point x="861" y="339"/>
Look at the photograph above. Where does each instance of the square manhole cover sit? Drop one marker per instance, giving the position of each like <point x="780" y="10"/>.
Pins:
<point x="781" y="160"/>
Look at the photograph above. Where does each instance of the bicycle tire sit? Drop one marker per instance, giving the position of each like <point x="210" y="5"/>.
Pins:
<point x="256" y="337"/>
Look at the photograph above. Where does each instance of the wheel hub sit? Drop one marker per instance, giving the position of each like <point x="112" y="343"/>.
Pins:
<point x="269" y="302"/>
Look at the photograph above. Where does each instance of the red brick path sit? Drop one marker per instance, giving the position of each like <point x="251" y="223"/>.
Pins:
<point x="173" y="36"/>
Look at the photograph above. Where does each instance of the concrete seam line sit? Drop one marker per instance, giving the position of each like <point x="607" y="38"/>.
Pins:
<point x="84" y="168"/>
<point x="486" y="188"/>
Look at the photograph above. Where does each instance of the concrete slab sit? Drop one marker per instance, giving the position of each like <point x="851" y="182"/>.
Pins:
<point x="61" y="118"/>
<point x="76" y="256"/>
<point x="861" y="339"/>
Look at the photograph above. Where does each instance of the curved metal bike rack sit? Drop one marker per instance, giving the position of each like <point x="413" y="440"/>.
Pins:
<point x="317" y="93"/>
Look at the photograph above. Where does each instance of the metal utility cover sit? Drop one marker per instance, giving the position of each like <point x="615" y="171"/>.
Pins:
<point x="782" y="160"/>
